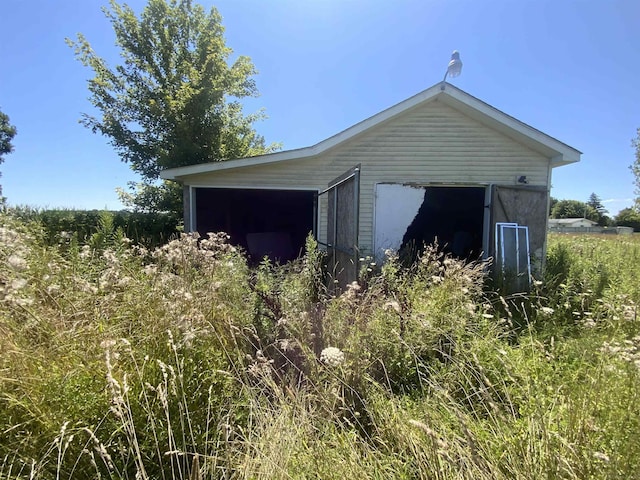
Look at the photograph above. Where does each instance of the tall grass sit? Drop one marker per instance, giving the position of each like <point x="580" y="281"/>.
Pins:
<point x="183" y="362"/>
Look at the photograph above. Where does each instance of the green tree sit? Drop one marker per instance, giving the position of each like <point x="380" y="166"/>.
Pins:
<point x="596" y="203"/>
<point x="628" y="217"/>
<point x="7" y="132"/>
<point x="574" y="209"/>
<point x="174" y="100"/>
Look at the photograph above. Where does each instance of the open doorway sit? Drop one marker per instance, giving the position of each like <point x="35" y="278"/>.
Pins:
<point x="408" y="217"/>
<point x="272" y="223"/>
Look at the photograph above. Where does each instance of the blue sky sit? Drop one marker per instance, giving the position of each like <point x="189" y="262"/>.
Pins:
<point x="565" y="67"/>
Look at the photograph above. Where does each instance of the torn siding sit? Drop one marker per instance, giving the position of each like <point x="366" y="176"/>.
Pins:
<point x="395" y="208"/>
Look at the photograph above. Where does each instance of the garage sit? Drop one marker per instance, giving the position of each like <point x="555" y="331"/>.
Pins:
<point x="439" y="165"/>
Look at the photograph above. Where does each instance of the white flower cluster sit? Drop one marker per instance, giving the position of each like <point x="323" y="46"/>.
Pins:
<point x="14" y="251"/>
<point x="261" y="367"/>
<point x="332" y="356"/>
<point x="190" y="251"/>
<point x="628" y="351"/>
<point x="352" y="290"/>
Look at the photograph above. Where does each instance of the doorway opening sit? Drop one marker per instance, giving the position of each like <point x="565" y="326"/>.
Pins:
<point x="452" y="216"/>
<point x="272" y="223"/>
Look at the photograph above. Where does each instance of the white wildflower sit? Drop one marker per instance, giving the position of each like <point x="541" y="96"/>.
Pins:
<point x="85" y="252"/>
<point x="16" y="262"/>
<point x="332" y="356"/>
<point x="394" y="305"/>
<point x="107" y="344"/>
<point x="150" y="269"/>
<point x="601" y="456"/>
<point x="547" y="310"/>
<point x="24" y="302"/>
<point x="286" y="345"/>
<point x="18" y="284"/>
<point x="111" y="257"/>
<point x="352" y="290"/>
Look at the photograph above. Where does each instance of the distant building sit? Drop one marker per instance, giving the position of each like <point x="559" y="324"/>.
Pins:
<point x="569" y="224"/>
<point x="584" y="225"/>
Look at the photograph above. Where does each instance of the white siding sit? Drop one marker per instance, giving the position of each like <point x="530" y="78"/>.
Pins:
<point x="433" y="143"/>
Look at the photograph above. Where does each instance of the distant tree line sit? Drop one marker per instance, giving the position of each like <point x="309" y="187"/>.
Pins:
<point x="144" y="228"/>
<point x="593" y="209"/>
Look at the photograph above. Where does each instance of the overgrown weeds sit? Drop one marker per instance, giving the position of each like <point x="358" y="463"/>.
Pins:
<point x="182" y="362"/>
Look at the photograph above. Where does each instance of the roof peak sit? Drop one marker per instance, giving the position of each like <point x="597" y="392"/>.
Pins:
<point x="559" y="153"/>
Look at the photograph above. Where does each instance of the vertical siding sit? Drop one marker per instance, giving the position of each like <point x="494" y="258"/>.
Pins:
<point x="432" y="143"/>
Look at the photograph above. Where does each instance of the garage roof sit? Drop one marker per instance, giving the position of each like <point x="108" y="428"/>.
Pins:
<point x="559" y="152"/>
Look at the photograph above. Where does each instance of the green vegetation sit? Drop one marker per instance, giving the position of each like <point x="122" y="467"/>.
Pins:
<point x="148" y="229"/>
<point x="174" y="99"/>
<point x="182" y="362"/>
<point x="628" y="217"/>
<point x="574" y="209"/>
<point x="7" y="132"/>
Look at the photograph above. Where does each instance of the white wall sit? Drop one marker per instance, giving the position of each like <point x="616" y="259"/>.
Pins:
<point x="395" y="208"/>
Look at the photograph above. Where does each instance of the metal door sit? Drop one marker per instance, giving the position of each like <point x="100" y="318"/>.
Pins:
<point x="343" y="211"/>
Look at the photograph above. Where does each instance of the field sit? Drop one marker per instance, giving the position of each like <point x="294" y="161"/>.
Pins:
<point x="182" y="362"/>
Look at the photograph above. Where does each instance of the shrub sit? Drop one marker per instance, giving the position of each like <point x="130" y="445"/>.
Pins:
<point x="149" y="229"/>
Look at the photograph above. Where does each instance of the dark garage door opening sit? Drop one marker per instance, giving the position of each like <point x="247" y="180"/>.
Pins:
<point x="274" y="223"/>
<point x="452" y="215"/>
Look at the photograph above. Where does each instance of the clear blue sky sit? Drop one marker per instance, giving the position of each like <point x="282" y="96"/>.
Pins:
<point x="565" y="67"/>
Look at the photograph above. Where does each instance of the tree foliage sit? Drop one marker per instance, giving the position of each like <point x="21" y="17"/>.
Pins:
<point x="174" y="100"/>
<point x="7" y="132"/>
<point x="574" y="209"/>
<point x="628" y="217"/>
<point x="595" y="202"/>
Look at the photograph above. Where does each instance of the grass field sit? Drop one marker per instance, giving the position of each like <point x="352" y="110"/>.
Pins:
<point x="183" y="362"/>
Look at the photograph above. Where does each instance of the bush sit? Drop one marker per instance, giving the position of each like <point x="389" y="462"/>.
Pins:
<point x="149" y="229"/>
